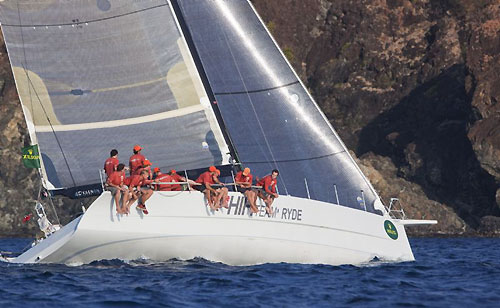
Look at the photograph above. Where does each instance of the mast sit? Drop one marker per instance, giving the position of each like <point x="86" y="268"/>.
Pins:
<point x="203" y="76"/>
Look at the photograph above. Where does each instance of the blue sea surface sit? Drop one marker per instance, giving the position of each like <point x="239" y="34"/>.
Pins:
<point x="448" y="272"/>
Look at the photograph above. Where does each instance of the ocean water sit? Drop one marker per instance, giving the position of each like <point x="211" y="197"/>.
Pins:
<point x="448" y="272"/>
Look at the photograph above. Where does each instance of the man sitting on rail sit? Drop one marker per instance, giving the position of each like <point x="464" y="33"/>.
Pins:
<point x="243" y="180"/>
<point x="136" y="185"/>
<point x="268" y="190"/>
<point x="177" y="178"/>
<point x="119" y="191"/>
<point x="222" y="198"/>
<point x="162" y="179"/>
<point x="206" y="179"/>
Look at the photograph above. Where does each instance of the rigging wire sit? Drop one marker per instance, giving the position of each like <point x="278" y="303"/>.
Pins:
<point x="253" y="109"/>
<point x="86" y="21"/>
<point x="25" y="59"/>
<point x="30" y="84"/>
<point x="259" y="90"/>
<point x="52" y="128"/>
<point x="50" y="201"/>
<point x="33" y="113"/>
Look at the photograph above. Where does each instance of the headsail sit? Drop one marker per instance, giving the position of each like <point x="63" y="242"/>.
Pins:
<point x="272" y="119"/>
<point x="96" y="75"/>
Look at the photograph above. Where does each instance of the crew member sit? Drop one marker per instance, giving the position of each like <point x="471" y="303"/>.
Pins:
<point x="136" y="161"/>
<point x="111" y="163"/>
<point x="206" y="179"/>
<point x="146" y="165"/>
<point x="136" y="185"/>
<point x="176" y="178"/>
<point x="222" y="198"/>
<point x="162" y="178"/>
<point x="268" y="191"/>
<point x="114" y="184"/>
<point x="243" y="180"/>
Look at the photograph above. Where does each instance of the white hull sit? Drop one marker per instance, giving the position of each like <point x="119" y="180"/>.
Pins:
<point x="179" y="225"/>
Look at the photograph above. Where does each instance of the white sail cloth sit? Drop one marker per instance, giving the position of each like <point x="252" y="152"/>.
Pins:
<point x="97" y="75"/>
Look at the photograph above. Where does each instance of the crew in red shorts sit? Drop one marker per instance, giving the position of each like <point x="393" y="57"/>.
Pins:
<point x="136" y="161"/>
<point x="111" y="163"/>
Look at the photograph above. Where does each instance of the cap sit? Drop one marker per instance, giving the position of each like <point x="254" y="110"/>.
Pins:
<point x="246" y="171"/>
<point x="156" y="169"/>
<point x="173" y="171"/>
<point x="212" y="168"/>
<point x="137" y="148"/>
<point x="147" y="163"/>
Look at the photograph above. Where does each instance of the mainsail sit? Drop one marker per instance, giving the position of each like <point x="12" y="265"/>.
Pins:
<point x="96" y="75"/>
<point x="272" y="119"/>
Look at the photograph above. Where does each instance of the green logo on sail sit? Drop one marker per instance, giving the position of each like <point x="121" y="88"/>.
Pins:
<point x="31" y="158"/>
<point x="391" y="230"/>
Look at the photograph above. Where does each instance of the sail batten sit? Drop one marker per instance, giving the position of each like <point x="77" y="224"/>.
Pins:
<point x="124" y="122"/>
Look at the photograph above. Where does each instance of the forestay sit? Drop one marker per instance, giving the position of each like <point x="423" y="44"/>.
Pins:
<point x="96" y="75"/>
<point x="272" y="120"/>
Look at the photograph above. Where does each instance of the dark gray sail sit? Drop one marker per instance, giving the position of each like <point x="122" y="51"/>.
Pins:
<point x="96" y="75"/>
<point x="272" y="120"/>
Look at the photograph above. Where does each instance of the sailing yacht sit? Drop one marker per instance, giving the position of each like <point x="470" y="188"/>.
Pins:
<point x="196" y="83"/>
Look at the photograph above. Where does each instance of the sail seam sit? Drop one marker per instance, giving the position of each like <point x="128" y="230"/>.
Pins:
<point x="257" y="91"/>
<point x="87" y="21"/>
<point x="297" y="159"/>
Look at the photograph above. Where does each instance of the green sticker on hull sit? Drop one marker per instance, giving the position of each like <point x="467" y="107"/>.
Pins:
<point x="391" y="230"/>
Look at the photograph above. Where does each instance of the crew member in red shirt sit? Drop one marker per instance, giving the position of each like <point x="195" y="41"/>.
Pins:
<point x="177" y="178"/>
<point x="162" y="178"/>
<point x="136" y="161"/>
<point x="222" y="198"/>
<point x="268" y="191"/>
<point x="115" y="185"/>
<point x="146" y="165"/>
<point x="243" y="180"/>
<point x="111" y="163"/>
<point x="206" y="179"/>
<point x="137" y="186"/>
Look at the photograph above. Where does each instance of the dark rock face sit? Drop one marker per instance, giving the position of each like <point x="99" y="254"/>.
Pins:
<point x="412" y="87"/>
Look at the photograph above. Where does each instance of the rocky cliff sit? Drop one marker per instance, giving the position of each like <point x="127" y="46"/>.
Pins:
<point x="412" y="87"/>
